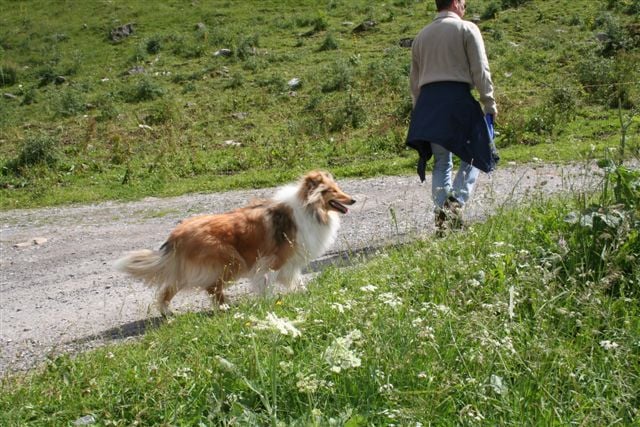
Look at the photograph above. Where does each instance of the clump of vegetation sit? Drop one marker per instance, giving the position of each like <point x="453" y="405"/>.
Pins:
<point x="491" y="10"/>
<point x="154" y="45"/>
<point x="35" y="151"/>
<point x="352" y="114"/>
<point x="329" y="43"/>
<point x="8" y="74"/>
<point x="513" y="3"/>
<point x="246" y="46"/>
<point x="614" y="36"/>
<point x="163" y="112"/>
<point x="70" y="103"/>
<point x="339" y="76"/>
<point x="145" y="89"/>
<point x="608" y="81"/>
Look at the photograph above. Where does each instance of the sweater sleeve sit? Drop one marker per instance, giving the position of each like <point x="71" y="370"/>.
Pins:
<point x="414" y="74"/>
<point x="479" y="66"/>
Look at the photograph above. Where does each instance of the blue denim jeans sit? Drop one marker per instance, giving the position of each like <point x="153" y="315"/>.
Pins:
<point x="441" y="186"/>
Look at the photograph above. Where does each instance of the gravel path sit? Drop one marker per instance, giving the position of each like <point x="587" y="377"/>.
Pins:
<point x="63" y="295"/>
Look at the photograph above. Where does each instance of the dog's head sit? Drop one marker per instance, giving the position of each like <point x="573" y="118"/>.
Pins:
<point x="320" y="192"/>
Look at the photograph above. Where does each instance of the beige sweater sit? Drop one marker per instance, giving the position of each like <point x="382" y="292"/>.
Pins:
<point x="451" y="49"/>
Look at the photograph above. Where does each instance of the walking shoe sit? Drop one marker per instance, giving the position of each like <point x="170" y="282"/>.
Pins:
<point x="449" y="217"/>
<point x="453" y="209"/>
<point x="441" y="222"/>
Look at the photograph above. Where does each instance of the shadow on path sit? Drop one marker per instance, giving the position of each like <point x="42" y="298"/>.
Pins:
<point x="127" y="330"/>
<point x="340" y="259"/>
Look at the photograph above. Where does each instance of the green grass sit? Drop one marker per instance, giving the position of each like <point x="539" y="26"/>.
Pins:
<point x="163" y="132"/>
<point x="515" y="324"/>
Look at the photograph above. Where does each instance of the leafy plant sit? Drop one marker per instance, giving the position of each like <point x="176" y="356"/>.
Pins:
<point x="608" y="233"/>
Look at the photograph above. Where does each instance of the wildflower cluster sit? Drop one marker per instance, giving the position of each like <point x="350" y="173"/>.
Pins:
<point x="281" y="325"/>
<point x="339" y="355"/>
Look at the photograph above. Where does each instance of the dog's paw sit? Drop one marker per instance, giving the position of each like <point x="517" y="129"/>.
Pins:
<point x="165" y="311"/>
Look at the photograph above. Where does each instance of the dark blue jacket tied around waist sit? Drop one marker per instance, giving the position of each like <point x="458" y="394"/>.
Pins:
<point x="447" y="114"/>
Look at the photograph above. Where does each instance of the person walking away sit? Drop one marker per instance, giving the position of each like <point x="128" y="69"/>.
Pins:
<point x="448" y="59"/>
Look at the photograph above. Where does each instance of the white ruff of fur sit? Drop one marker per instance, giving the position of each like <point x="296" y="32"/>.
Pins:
<point x="313" y="238"/>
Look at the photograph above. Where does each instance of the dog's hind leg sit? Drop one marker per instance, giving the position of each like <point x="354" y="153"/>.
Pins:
<point x="289" y="276"/>
<point x="164" y="297"/>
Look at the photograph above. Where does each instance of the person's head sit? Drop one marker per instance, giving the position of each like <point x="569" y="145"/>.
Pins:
<point x="456" y="6"/>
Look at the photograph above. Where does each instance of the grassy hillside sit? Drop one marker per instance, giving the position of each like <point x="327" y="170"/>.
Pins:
<point x="84" y="118"/>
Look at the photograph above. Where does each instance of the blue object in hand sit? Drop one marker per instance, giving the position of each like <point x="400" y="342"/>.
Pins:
<point x="489" y="119"/>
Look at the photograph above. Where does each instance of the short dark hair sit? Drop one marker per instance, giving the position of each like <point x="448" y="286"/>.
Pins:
<point x="443" y="4"/>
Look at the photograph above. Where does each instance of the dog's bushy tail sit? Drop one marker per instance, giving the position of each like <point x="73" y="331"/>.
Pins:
<point x="155" y="268"/>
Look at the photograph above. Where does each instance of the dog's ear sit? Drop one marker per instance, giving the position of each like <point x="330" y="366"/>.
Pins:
<point x="313" y="179"/>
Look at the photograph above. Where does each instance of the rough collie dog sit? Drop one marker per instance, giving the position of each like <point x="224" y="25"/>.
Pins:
<point x="267" y="240"/>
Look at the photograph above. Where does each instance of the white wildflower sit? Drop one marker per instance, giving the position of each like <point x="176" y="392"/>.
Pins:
<point x="385" y="388"/>
<point x="417" y="322"/>
<point x="497" y="384"/>
<point x="285" y="366"/>
<point x="443" y="309"/>
<point x="183" y="373"/>
<point x="368" y="288"/>
<point x="339" y="354"/>
<point x="474" y="283"/>
<point x="609" y="345"/>
<point x="309" y="383"/>
<point x="392" y="414"/>
<point x="512" y="302"/>
<point x="508" y="344"/>
<point x="391" y="299"/>
<point x="341" y="308"/>
<point x="287" y="349"/>
<point x="472" y="413"/>
<point x="427" y="332"/>
<point x="226" y="364"/>
<point x="282" y="325"/>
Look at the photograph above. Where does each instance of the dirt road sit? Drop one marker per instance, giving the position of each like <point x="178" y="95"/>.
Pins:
<point x="62" y="294"/>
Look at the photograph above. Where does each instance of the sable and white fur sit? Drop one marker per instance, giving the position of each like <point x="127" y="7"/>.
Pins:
<point x="271" y="239"/>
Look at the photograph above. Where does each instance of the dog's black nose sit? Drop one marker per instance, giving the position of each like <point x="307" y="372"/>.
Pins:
<point x="352" y="201"/>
